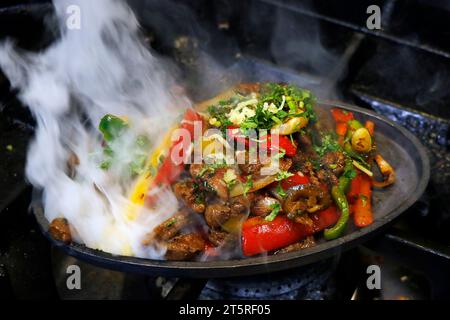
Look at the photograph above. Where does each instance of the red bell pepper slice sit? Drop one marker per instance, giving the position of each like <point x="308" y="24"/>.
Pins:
<point x="235" y="133"/>
<point x="325" y="218"/>
<point x="294" y="180"/>
<point x="259" y="235"/>
<point x="284" y="143"/>
<point x="168" y="172"/>
<point x="340" y="115"/>
<point x="341" y="128"/>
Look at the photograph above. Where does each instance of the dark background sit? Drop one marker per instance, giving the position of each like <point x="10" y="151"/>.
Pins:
<point x="401" y="71"/>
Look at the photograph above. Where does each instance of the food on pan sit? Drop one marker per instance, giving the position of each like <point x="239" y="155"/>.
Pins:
<point x="271" y="178"/>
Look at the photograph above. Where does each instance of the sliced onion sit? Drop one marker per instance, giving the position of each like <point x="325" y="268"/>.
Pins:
<point x="263" y="182"/>
<point x="362" y="168"/>
<point x="290" y="126"/>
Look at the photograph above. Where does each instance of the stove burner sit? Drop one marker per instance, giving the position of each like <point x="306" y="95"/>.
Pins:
<point x="312" y="282"/>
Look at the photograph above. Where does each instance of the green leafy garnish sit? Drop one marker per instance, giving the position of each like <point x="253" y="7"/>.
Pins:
<point x="283" y="175"/>
<point x="328" y="143"/>
<point x="281" y="191"/>
<point x="276" y="104"/>
<point x="171" y="222"/>
<point x="280" y="154"/>
<point x="349" y="173"/>
<point x="248" y="184"/>
<point x="276" y="207"/>
<point x="211" y="168"/>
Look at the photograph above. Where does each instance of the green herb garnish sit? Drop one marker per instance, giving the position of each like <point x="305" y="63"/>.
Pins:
<point x="280" y="191"/>
<point x="276" y="207"/>
<point x="248" y="184"/>
<point x="171" y="222"/>
<point x="283" y="175"/>
<point x="328" y="143"/>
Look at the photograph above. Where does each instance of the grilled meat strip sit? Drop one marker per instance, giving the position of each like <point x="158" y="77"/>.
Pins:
<point x="185" y="247"/>
<point x="168" y="229"/>
<point x="59" y="229"/>
<point x="185" y="191"/>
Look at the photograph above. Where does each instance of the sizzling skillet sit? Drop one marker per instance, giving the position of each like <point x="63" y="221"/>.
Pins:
<point x="397" y="145"/>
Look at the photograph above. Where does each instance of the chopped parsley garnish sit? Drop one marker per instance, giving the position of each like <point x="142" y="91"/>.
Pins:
<point x="211" y="168"/>
<point x="280" y="154"/>
<point x="281" y="191"/>
<point x="283" y="175"/>
<point x="275" y="104"/>
<point x="349" y="173"/>
<point x="220" y="114"/>
<point x="328" y="144"/>
<point x="171" y="222"/>
<point x="276" y="207"/>
<point x="248" y="184"/>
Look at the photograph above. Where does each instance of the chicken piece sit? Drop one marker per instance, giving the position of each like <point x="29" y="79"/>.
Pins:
<point x="59" y="229"/>
<point x="250" y="168"/>
<point x="241" y="204"/>
<point x="217" y="184"/>
<point x="306" y="198"/>
<point x="334" y="162"/>
<point x="327" y="177"/>
<point x="195" y="170"/>
<point x="263" y="205"/>
<point x="168" y="229"/>
<point x="217" y="214"/>
<point x="220" y="238"/>
<point x="213" y="178"/>
<point x="185" y="247"/>
<point x="185" y="191"/>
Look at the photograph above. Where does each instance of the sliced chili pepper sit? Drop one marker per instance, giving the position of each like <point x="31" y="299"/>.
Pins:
<point x="190" y="119"/>
<point x="341" y="128"/>
<point x="294" y="180"/>
<point x="259" y="235"/>
<point x="340" y="115"/>
<point x="284" y="143"/>
<point x="370" y="126"/>
<point x="341" y="201"/>
<point x="355" y="187"/>
<point x="169" y="171"/>
<point x="363" y="215"/>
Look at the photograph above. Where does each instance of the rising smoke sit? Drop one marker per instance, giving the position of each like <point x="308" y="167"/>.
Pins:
<point x="101" y="68"/>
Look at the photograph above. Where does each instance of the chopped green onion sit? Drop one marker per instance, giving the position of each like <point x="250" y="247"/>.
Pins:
<point x="276" y="207"/>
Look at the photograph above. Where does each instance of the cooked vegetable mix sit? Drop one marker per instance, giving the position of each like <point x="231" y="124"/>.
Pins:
<point x="289" y="180"/>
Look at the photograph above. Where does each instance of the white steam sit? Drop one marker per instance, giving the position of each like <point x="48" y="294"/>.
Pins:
<point x="101" y="68"/>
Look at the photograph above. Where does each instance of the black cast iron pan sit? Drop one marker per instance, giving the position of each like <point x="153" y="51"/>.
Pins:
<point x="396" y="144"/>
